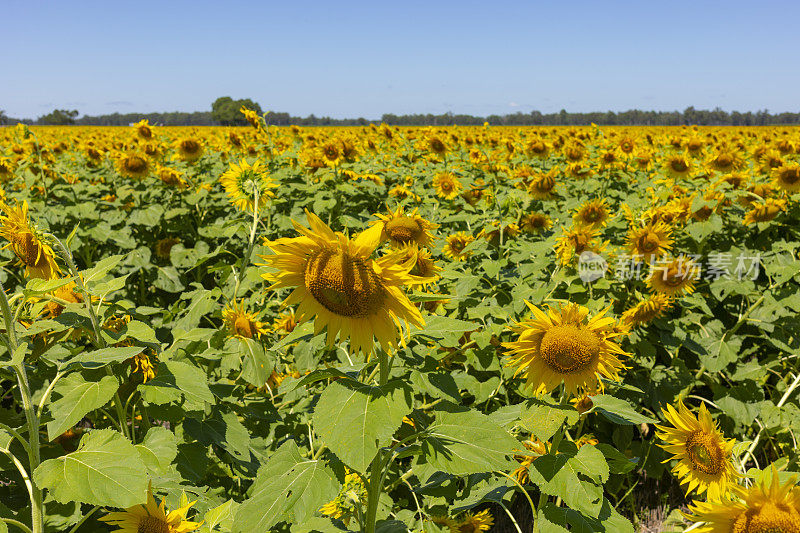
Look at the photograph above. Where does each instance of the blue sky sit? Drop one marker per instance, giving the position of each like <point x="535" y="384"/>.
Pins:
<point x="360" y="58"/>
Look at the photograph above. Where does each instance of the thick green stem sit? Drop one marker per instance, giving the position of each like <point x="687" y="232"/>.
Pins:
<point x="37" y="519"/>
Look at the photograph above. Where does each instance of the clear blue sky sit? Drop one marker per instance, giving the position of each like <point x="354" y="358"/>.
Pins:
<point x="365" y="58"/>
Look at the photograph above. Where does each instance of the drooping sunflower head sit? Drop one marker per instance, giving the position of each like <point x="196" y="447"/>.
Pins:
<point x="564" y="345"/>
<point x="535" y="223"/>
<point x="576" y="240"/>
<point x="764" y="211"/>
<point x="62" y="295"/>
<point x="447" y="185"/>
<point x="703" y="454"/>
<point x="538" y="148"/>
<point x="649" y="241"/>
<point x="350" y="500"/>
<point x="472" y="523"/>
<point x="144" y="364"/>
<point x="6" y="168"/>
<point x="285" y="322"/>
<point x="241" y="324"/>
<point x="645" y="311"/>
<point x="425" y="269"/>
<point x="339" y="286"/>
<point x="171" y="176"/>
<point x="400" y="228"/>
<point x="455" y="246"/>
<point x="787" y="177"/>
<point x="674" y="277"/>
<point x="189" y="149"/>
<point x="164" y="246"/>
<point x="133" y="165"/>
<point x="592" y="213"/>
<point x="27" y="242"/>
<point x="153" y="517"/>
<point x="542" y="186"/>
<point x="243" y="181"/>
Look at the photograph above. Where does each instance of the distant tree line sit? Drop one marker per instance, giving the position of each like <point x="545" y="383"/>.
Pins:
<point x="225" y="111"/>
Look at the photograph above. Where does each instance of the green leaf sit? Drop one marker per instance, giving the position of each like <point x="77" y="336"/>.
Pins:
<point x="78" y="397"/>
<point x="557" y="475"/>
<point x="542" y="416"/>
<point x="440" y="327"/>
<point x="355" y="420"/>
<point x="37" y="287"/>
<point x="192" y="382"/>
<point x="101" y="268"/>
<point x="221" y="515"/>
<point x="159" y="449"/>
<point x="464" y="442"/>
<point x="104" y="470"/>
<point x="258" y="366"/>
<point x="618" y="411"/>
<point x="105" y="356"/>
<point x="288" y="488"/>
<point x="590" y="462"/>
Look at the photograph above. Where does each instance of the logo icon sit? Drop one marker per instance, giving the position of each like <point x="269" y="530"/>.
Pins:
<point x="591" y="267"/>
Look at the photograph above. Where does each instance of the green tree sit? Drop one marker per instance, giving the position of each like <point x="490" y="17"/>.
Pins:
<point x="3" y="117"/>
<point x="225" y="110"/>
<point x="59" y="117"/>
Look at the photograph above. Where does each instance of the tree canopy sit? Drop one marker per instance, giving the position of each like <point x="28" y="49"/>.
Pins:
<point x="225" y="110"/>
<point x="59" y="117"/>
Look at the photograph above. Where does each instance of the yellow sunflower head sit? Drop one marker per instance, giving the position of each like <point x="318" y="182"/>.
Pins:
<point x="787" y="177"/>
<point x="535" y="223"/>
<point x="27" y="242"/>
<point x="677" y="166"/>
<point x="286" y="322"/>
<point x="143" y="129"/>
<point x="338" y="284"/>
<point x="542" y="186"/>
<point x="164" y="246"/>
<point x="424" y="266"/>
<point x="565" y="345"/>
<point x="455" y="245"/>
<point x="652" y="240"/>
<point x="189" y="149"/>
<point x="242" y="181"/>
<point x="472" y="523"/>
<point x="447" y="185"/>
<point x="703" y="453"/>
<point x="766" y="507"/>
<point x="592" y="213"/>
<point x="576" y="240"/>
<point x="400" y="228"/>
<point x="241" y="324"/>
<point x="645" y="311"/>
<point x="153" y="517"/>
<point x="350" y="500"/>
<point x="133" y="165"/>
<point x="673" y="277"/>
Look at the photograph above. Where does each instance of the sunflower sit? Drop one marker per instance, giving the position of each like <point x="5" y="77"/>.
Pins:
<point x="436" y="145"/>
<point x="152" y="518"/>
<point x="402" y="192"/>
<point x="575" y="241"/>
<point x="678" y="166"/>
<point x="766" y="507"/>
<point x="330" y="154"/>
<point x="593" y="213"/>
<point x="252" y="117"/>
<point x="626" y="145"/>
<point x="565" y="345"/>
<point x="142" y="363"/>
<point x="645" y="311"/>
<point x="63" y="294"/>
<point x="286" y="322"/>
<point x="143" y="129"/>
<point x="472" y="523"/>
<point x="170" y="176"/>
<point x="189" y="150"/>
<point x="538" y="148"/>
<point x="764" y="211"/>
<point x="341" y="287"/>
<point x="535" y="223"/>
<point x="787" y="177"/>
<point x="674" y="277"/>
<point x="424" y="266"/>
<point x="6" y="168"/>
<point x="702" y="452"/>
<point x="543" y="186"/>
<point x="536" y="446"/>
<point x="455" y="245"/>
<point x="351" y="498"/>
<point x="133" y="165"/>
<point x="241" y="324"/>
<point x="27" y="243"/>
<point x="243" y="180"/>
<point x="447" y="185"/>
<point x="400" y="228"/>
<point x="652" y="240"/>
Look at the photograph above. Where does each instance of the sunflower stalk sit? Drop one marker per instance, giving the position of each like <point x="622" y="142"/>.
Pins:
<point x="98" y="336"/>
<point x="32" y="448"/>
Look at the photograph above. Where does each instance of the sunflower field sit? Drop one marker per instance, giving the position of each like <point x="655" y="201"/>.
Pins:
<point x="389" y="329"/>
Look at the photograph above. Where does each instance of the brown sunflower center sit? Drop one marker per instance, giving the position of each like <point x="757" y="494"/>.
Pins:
<point x="790" y="176"/>
<point x="190" y="146"/>
<point x="446" y="185"/>
<point x="675" y="276"/>
<point x="705" y="453"/>
<point x="344" y="285"/>
<point x="403" y="229"/>
<point x="135" y="164"/>
<point x="770" y="517"/>
<point x="648" y="243"/>
<point x="152" y="524"/>
<point x="592" y="214"/>
<point x="243" y="327"/>
<point x="679" y="165"/>
<point x="28" y="249"/>
<point x="569" y="349"/>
